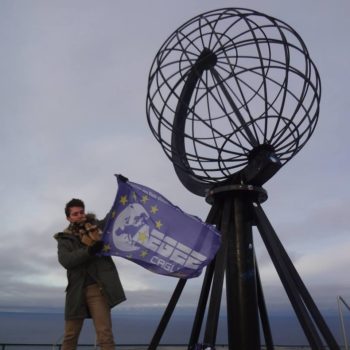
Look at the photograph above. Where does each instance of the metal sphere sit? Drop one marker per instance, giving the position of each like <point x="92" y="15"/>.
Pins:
<point x="227" y="83"/>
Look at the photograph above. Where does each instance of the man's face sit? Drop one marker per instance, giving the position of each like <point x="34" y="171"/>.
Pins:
<point x="76" y="214"/>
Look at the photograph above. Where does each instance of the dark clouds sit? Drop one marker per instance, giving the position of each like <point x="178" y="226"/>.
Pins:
<point x="73" y="89"/>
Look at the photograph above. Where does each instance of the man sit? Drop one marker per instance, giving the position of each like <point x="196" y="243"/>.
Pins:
<point x="93" y="286"/>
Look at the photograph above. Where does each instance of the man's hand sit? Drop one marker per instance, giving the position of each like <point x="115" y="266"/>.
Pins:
<point x="122" y="178"/>
<point x="87" y="240"/>
<point x="96" y="247"/>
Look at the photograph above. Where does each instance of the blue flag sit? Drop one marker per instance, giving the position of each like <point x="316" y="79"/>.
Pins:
<point x="147" y="229"/>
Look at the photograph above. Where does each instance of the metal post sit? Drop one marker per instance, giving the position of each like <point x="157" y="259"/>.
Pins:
<point x="202" y="302"/>
<point x="167" y="314"/>
<point x="214" y="217"/>
<point x="241" y="290"/>
<point x="218" y="280"/>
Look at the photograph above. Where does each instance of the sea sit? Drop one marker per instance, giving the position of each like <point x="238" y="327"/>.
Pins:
<point x="139" y="328"/>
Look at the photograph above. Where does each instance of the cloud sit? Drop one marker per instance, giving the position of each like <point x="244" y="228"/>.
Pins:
<point x="73" y="90"/>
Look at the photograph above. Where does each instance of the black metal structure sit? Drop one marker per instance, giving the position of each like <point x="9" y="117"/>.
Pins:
<point x="232" y="96"/>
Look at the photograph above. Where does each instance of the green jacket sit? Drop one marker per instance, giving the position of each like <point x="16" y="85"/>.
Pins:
<point x="74" y="257"/>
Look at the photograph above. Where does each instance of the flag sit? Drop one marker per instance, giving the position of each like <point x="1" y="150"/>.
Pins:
<point x="147" y="229"/>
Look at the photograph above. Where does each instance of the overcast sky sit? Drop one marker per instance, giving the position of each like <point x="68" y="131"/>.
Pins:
<point x="73" y="84"/>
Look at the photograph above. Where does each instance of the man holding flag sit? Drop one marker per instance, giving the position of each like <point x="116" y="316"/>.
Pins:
<point x="93" y="281"/>
<point x="143" y="227"/>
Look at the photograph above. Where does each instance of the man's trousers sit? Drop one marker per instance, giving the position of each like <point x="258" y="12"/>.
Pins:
<point x="101" y="316"/>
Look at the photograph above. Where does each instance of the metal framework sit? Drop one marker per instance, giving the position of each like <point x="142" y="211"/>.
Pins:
<point x="232" y="96"/>
<point x="341" y="301"/>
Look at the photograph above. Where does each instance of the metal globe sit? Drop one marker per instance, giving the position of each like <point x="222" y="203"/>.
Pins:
<point x="226" y="84"/>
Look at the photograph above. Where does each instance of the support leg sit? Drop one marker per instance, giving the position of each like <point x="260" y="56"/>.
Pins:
<point x="212" y="218"/>
<point x="296" y="290"/>
<point x="241" y="290"/>
<point x="218" y="280"/>
<point x="263" y="312"/>
<point x="215" y="298"/>
<point x="167" y="315"/>
<point x="198" y="320"/>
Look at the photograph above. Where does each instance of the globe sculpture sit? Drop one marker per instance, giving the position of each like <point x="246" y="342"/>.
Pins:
<point x="226" y="85"/>
<point x="233" y="95"/>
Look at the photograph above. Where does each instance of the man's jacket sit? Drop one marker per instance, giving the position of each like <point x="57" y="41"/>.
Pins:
<point x="82" y="267"/>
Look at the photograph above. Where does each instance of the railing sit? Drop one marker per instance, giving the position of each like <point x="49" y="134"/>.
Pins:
<point x="340" y="302"/>
<point x="13" y="346"/>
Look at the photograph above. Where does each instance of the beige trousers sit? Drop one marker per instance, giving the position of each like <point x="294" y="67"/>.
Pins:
<point x="101" y="316"/>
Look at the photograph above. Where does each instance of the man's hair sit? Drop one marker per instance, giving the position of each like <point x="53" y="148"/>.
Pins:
<point x="75" y="202"/>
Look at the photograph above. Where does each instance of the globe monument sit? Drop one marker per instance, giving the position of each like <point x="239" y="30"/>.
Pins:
<point x="233" y="95"/>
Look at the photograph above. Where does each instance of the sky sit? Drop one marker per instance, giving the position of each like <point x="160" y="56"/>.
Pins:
<point x="73" y="91"/>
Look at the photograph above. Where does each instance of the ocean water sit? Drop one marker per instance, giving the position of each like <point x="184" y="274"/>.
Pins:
<point x="138" y="328"/>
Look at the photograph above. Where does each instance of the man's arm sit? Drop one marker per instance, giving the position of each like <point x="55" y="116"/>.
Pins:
<point x="69" y="258"/>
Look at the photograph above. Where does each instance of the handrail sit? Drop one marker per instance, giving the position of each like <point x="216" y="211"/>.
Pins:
<point x="7" y="346"/>
<point x="4" y="346"/>
<point x="341" y="300"/>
